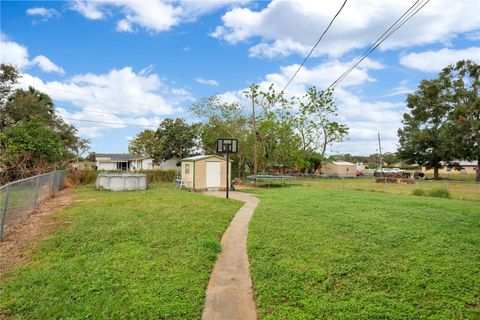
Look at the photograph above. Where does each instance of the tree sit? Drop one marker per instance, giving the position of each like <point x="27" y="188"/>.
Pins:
<point x="314" y="122"/>
<point x="390" y="158"/>
<point x="8" y="78"/>
<point x="461" y="83"/>
<point x="176" y="138"/>
<point x="225" y="120"/>
<point x="145" y="143"/>
<point x="23" y="153"/>
<point x="426" y="138"/>
<point x="28" y="110"/>
<point x="91" y="157"/>
<point x="276" y="133"/>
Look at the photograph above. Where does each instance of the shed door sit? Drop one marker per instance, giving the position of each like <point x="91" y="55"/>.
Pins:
<point x="213" y="174"/>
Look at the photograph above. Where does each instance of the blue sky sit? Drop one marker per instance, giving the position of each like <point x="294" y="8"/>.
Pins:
<point x="141" y="61"/>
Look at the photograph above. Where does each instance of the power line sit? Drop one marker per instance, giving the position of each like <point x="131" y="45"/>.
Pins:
<point x="315" y="46"/>
<point x="114" y="123"/>
<point x="413" y="10"/>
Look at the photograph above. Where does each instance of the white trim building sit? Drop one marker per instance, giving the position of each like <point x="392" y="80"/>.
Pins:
<point x="130" y="162"/>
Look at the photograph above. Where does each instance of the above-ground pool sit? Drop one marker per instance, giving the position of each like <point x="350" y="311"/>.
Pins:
<point x="121" y="181"/>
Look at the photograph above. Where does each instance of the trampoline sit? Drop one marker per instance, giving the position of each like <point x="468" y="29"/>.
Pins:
<point x="269" y="179"/>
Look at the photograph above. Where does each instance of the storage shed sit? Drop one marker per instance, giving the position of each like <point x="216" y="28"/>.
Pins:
<point x="207" y="172"/>
<point x="340" y="169"/>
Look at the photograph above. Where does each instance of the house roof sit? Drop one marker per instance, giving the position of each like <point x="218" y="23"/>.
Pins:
<point x="201" y="157"/>
<point x="343" y="163"/>
<point x="119" y="156"/>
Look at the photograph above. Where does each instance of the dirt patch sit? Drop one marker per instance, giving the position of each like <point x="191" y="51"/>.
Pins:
<point x="21" y="239"/>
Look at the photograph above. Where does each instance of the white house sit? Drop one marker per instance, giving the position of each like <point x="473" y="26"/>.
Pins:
<point x="130" y="162"/>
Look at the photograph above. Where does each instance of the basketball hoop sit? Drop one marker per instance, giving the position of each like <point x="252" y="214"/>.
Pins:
<point x="227" y="146"/>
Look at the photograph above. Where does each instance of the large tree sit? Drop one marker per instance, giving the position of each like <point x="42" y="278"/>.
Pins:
<point x="315" y="122"/>
<point x="280" y="143"/>
<point x="145" y="143"/>
<point x="461" y="83"/>
<point x="8" y="78"/>
<point x="177" y="139"/>
<point x="426" y="138"/>
<point x="225" y="120"/>
<point x="28" y="148"/>
<point x="30" y="113"/>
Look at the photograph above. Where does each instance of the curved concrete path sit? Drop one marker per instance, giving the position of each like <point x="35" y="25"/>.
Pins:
<point x="229" y="292"/>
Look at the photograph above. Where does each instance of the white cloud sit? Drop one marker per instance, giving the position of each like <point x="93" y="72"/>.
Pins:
<point x="14" y="53"/>
<point x="434" y="61"/>
<point x="43" y="12"/>
<point x="212" y="83"/>
<point x="119" y="96"/>
<point x="154" y="15"/>
<point x="89" y="10"/>
<point x="47" y="65"/>
<point x="286" y="27"/>
<point x="401" y="90"/>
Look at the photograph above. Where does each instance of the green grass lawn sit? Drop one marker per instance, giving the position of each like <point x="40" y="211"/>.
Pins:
<point x="457" y="189"/>
<point x="136" y="255"/>
<point x="347" y="254"/>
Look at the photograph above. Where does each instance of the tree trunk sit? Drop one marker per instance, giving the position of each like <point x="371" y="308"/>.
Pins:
<point x="477" y="178"/>
<point x="436" y="176"/>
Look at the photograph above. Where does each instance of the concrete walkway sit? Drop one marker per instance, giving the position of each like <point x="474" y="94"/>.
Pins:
<point x="229" y="293"/>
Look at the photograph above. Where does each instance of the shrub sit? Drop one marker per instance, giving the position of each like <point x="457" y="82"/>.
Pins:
<point x="418" y="192"/>
<point x="439" y="193"/>
<point x="155" y="176"/>
<point x="80" y="177"/>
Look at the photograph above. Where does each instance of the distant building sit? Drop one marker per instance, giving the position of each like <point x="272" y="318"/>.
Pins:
<point x="339" y="169"/>
<point x="130" y="162"/>
<point x="468" y="167"/>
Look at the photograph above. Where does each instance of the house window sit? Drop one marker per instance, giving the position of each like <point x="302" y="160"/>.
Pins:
<point x="122" y="166"/>
<point x="187" y="168"/>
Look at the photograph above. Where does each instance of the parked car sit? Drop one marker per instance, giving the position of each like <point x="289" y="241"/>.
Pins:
<point x="360" y="172"/>
<point x="382" y="171"/>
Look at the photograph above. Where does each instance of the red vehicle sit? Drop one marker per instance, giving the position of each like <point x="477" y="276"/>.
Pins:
<point x="360" y="172"/>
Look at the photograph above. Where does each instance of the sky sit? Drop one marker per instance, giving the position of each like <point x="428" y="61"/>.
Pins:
<point x="138" y="62"/>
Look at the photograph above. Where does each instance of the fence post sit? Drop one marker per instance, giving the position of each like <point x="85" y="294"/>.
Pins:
<point x="385" y="184"/>
<point x="36" y="193"/>
<point x="4" y="212"/>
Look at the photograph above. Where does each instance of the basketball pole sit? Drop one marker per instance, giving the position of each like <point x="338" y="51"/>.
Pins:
<point x="227" y="184"/>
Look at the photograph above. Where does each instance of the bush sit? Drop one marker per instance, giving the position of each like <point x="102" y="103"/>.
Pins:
<point x="439" y="193"/>
<point x="81" y="177"/>
<point x="418" y="192"/>
<point x="155" y="176"/>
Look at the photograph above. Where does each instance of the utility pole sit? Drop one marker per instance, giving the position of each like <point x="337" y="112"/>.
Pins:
<point x="380" y="150"/>
<point x="254" y="128"/>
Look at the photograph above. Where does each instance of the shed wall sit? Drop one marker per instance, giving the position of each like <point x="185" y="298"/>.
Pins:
<point x="200" y="169"/>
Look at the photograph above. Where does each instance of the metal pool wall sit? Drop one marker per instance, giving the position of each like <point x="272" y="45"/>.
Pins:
<point x="121" y="182"/>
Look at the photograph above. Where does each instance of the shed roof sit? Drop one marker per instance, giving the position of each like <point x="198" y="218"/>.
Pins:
<point x="202" y="157"/>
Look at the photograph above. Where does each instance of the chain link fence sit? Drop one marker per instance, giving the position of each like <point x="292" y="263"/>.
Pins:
<point x="20" y="198"/>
